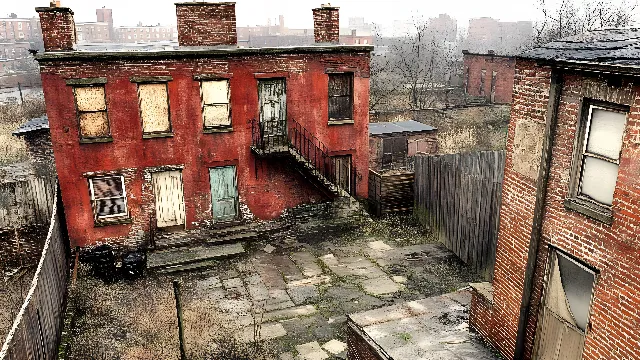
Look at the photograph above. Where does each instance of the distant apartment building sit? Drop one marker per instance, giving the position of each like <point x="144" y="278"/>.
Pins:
<point x="14" y="29"/>
<point x="505" y="38"/>
<point x="94" y="32"/>
<point x="17" y="36"/>
<point x="143" y="33"/>
<point x="445" y="26"/>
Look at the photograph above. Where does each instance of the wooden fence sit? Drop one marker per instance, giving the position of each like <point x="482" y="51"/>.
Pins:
<point x="458" y="196"/>
<point x="26" y="202"/>
<point x="390" y="193"/>
<point x="37" y="328"/>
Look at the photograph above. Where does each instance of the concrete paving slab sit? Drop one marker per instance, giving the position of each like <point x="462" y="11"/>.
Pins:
<point x="208" y="283"/>
<point x="290" y="313"/>
<point x="334" y="347"/>
<point x="302" y="294"/>
<point x="379" y="246"/>
<point x="311" y="351"/>
<point x="381" y="286"/>
<point x="307" y="263"/>
<point x="232" y="283"/>
<point x="267" y="331"/>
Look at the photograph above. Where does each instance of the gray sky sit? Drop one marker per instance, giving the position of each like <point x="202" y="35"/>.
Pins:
<point x="297" y="12"/>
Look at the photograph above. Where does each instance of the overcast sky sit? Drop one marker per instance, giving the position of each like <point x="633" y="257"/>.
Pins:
<point x="297" y="13"/>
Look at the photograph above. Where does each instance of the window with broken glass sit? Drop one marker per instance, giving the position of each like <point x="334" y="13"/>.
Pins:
<point x="340" y="96"/>
<point x="216" y="111"/>
<point x="598" y="156"/>
<point x="91" y="108"/>
<point x="108" y="198"/>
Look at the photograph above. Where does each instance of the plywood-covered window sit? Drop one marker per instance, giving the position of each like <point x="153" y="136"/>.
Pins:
<point x="108" y="197"/>
<point x="600" y="153"/>
<point x="154" y="108"/>
<point x="91" y="107"/>
<point x="341" y="96"/>
<point x="216" y="111"/>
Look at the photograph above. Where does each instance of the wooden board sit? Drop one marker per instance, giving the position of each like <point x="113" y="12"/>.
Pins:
<point x="167" y="188"/>
<point x="224" y="193"/>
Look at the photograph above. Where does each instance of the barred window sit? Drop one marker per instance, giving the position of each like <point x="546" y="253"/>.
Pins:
<point x="108" y="197"/>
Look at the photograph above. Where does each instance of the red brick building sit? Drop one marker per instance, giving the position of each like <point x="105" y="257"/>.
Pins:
<point x="567" y="273"/>
<point x="205" y="133"/>
<point x="489" y="76"/>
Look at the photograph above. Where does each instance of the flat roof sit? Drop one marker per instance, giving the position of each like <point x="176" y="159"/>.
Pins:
<point x="172" y="50"/>
<point x="396" y="127"/>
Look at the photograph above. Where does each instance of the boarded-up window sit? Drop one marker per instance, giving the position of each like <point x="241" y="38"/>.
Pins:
<point x="215" y="103"/>
<point x="154" y="108"/>
<point x="108" y="197"/>
<point x="91" y="106"/>
<point x="395" y="145"/>
<point x="601" y="154"/>
<point x="341" y="96"/>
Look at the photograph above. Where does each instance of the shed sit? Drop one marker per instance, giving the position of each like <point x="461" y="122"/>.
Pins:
<point x="391" y="144"/>
<point x="35" y="133"/>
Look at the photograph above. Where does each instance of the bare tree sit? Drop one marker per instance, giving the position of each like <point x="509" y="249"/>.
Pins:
<point x="571" y="17"/>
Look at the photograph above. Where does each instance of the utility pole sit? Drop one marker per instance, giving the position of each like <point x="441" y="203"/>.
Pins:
<point x="176" y="293"/>
<point x="20" y="90"/>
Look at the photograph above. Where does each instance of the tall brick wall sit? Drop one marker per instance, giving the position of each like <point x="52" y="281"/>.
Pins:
<point x="614" y="250"/>
<point x="58" y="28"/>
<point x="326" y="24"/>
<point x="503" y="66"/>
<point x="206" y="24"/>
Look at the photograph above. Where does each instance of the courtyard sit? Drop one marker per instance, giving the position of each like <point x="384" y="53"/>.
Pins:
<point x="286" y="297"/>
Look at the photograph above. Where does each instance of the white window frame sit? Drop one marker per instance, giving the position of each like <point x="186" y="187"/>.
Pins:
<point x="228" y="103"/>
<point x="93" y="198"/>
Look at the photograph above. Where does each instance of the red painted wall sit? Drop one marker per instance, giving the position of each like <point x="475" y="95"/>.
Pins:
<point x="505" y="68"/>
<point x="614" y="250"/>
<point x="275" y="187"/>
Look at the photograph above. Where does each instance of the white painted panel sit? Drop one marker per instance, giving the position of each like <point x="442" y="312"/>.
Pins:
<point x="90" y="98"/>
<point x="167" y="188"/>
<point x="599" y="179"/>
<point x="216" y="115"/>
<point x="605" y="132"/>
<point x="154" y="108"/>
<point x="215" y="92"/>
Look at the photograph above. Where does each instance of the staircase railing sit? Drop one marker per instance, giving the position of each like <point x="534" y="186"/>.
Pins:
<point x="315" y="153"/>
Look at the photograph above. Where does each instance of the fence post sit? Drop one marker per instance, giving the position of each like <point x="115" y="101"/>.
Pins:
<point x="176" y="293"/>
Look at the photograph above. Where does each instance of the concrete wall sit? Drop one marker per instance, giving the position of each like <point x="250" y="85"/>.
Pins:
<point x="613" y="249"/>
<point x="266" y="188"/>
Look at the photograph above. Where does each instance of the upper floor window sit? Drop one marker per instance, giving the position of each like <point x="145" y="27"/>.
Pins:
<point x="91" y="107"/>
<point x="108" y="198"/>
<point x="154" y="109"/>
<point x="341" y="96"/>
<point x="216" y="111"/>
<point x="19" y="26"/>
<point x="597" y="157"/>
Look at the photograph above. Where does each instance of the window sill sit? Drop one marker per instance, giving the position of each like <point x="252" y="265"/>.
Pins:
<point x="593" y="211"/>
<point x="112" y="221"/>
<point x="158" y="135"/>
<point x="341" y="122"/>
<point x="96" y="140"/>
<point x="221" y="129"/>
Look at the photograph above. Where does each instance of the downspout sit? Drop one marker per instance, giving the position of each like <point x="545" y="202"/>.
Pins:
<point x="555" y="90"/>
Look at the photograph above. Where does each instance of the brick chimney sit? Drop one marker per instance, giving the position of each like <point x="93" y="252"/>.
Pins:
<point x="58" y="27"/>
<point x="206" y="24"/>
<point x="326" y="24"/>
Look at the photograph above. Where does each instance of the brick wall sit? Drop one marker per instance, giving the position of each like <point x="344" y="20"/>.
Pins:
<point x="505" y="71"/>
<point x="614" y="250"/>
<point x="58" y="28"/>
<point x="326" y="24"/>
<point x="206" y="24"/>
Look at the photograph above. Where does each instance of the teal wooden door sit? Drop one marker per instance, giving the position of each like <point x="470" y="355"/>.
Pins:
<point x="224" y="193"/>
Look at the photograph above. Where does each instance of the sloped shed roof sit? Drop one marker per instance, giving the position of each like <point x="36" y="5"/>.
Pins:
<point x="396" y="127"/>
<point x="39" y="123"/>
<point x="607" y="47"/>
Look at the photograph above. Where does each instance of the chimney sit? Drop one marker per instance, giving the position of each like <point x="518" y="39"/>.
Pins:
<point x="326" y="24"/>
<point x="58" y="27"/>
<point x="491" y="52"/>
<point x="206" y="24"/>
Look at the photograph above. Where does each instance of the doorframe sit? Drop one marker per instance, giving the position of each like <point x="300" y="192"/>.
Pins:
<point x="552" y="249"/>
<point x="271" y="77"/>
<point x="148" y="181"/>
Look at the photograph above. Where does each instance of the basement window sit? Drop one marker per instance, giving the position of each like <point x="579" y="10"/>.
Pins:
<point x="91" y="111"/>
<point x="154" y="110"/>
<point x="597" y="159"/>
<point x="108" y="198"/>
<point x="216" y="111"/>
<point x="340" y="97"/>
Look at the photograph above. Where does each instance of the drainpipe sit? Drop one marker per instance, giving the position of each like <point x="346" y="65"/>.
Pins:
<point x="555" y="90"/>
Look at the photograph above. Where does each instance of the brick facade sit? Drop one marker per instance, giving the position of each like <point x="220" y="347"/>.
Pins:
<point x="326" y="24"/>
<point x="206" y="24"/>
<point x="475" y="65"/>
<point x="614" y="250"/>
<point x="58" y="28"/>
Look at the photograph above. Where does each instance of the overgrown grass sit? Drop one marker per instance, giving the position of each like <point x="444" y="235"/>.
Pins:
<point x="14" y="149"/>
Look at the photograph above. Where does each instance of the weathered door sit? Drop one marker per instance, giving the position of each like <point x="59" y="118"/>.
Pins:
<point x="224" y="193"/>
<point x="273" y="111"/>
<point x="167" y="187"/>
<point x="343" y="172"/>
<point x="565" y="312"/>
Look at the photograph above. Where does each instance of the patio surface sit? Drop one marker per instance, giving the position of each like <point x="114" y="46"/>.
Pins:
<point x="287" y="297"/>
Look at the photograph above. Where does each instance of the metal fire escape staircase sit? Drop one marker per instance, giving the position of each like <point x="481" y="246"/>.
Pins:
<point x="289" y="139"/>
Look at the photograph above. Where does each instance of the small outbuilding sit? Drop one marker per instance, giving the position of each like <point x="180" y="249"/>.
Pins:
<point x="35" y="133"/>
<point x="392" y="144"/>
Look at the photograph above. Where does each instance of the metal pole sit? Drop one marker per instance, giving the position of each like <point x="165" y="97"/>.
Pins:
<point x="21" y="98"/>
<point x="176" y="293"/>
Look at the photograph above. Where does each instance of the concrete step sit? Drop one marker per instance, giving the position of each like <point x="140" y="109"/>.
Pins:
<point x="188" y="258"/>
<point x="206" y="236"/>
